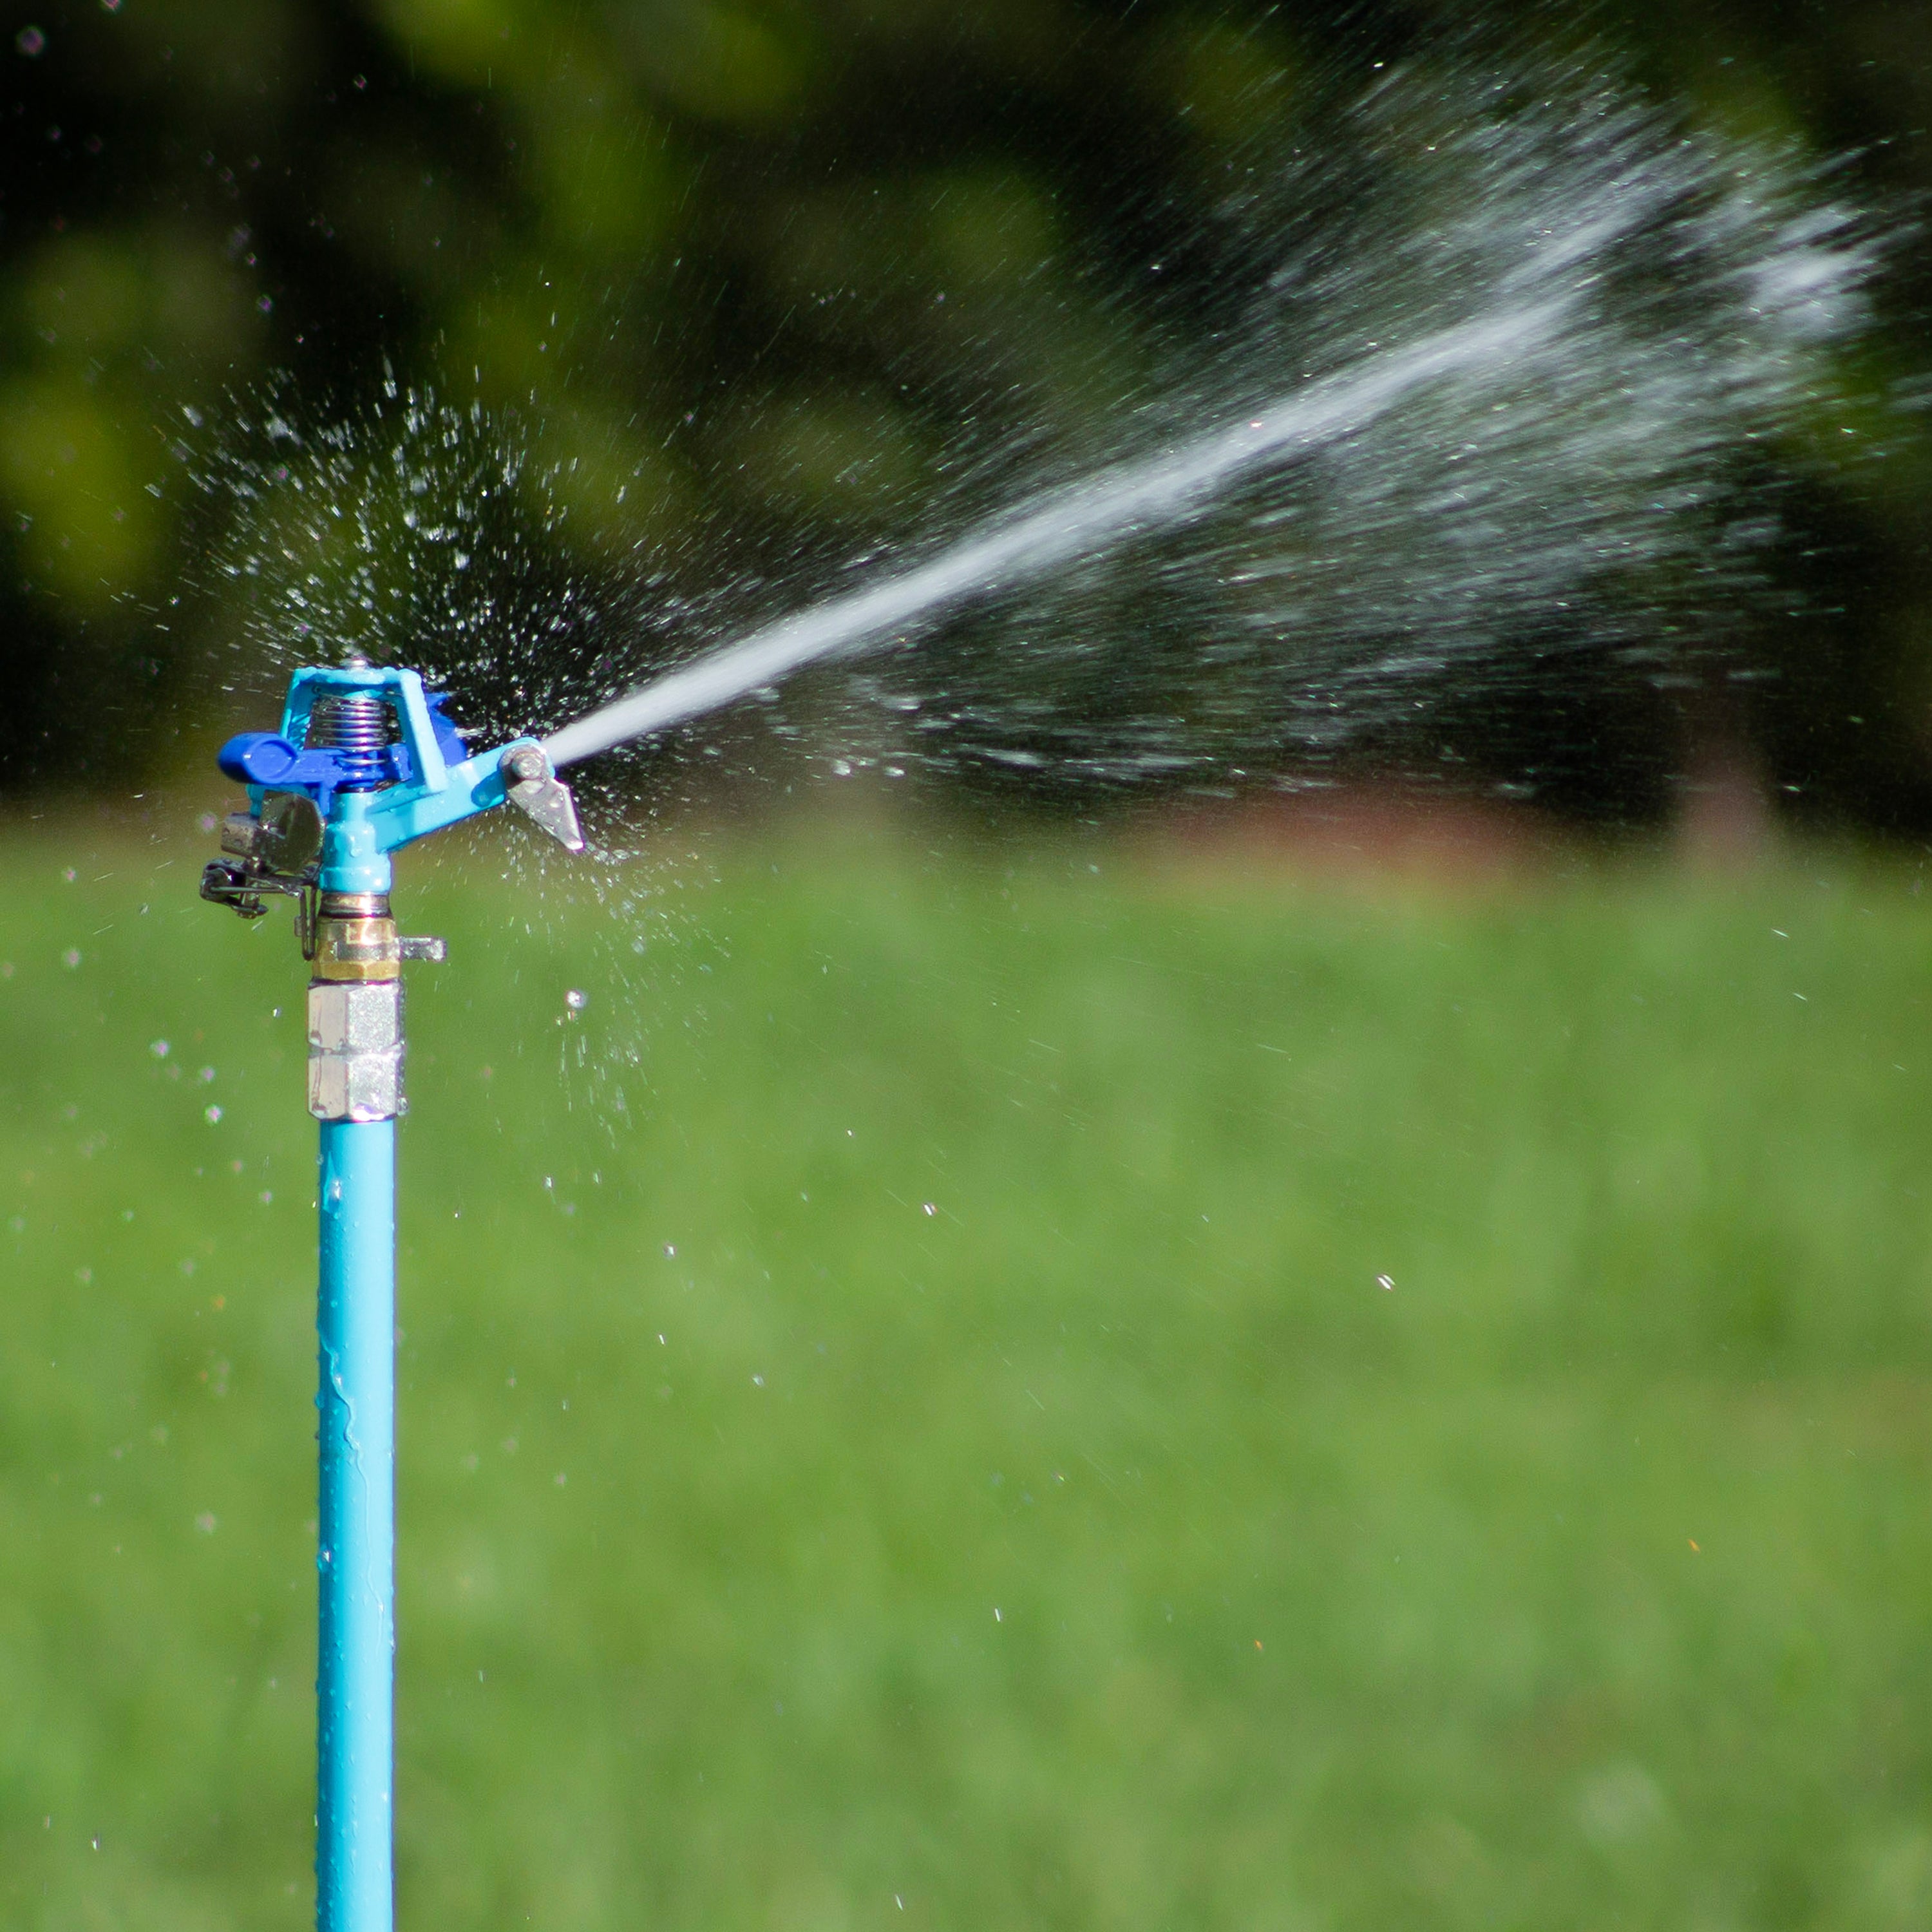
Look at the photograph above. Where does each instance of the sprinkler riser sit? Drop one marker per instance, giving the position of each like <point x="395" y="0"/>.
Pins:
<point x="355" y="1045"/>
<point x="331" y="795"/>
<point x="355" y="1548"/>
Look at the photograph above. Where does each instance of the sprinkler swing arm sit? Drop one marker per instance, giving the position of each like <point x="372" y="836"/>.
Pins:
<point x="364" y="763"/>
<point x="329" y="807"/>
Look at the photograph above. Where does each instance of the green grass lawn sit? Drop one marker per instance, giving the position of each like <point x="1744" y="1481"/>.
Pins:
<point x="942" y="1456"/>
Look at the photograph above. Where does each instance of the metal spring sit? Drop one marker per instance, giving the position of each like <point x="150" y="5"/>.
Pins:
<point x="356" y="727"/>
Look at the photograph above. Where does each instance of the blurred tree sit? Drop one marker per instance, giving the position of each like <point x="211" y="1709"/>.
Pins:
<point x="761" y="276"/>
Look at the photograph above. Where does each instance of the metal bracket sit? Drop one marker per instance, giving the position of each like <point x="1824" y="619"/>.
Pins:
<point x="278" y="851"/>
<point x="534" y="788"/>
<point x="239" y="886"/>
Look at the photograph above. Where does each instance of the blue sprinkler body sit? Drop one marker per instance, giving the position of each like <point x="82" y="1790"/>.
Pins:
<point x="364" y="762"/>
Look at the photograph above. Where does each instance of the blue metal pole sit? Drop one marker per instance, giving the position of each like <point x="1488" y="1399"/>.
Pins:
<point x="355" y="1090"/>
<point x="355" y="1555"/>
<point x="365" y="762"/>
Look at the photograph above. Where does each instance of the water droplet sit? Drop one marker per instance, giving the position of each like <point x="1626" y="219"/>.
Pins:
<point x="159" y="1048"/>
<point x="576" y="1000"/>
<point x="32" y="42"/>
<point x="205" y="1523"/>
<point x="211" y="1114"/>
<point x="70" y="958"/>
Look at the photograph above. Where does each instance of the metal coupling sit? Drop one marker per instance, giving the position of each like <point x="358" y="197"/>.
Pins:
<point x="356" y="1050"/>
<point x="353" y="950"/>
<point x="352" y="939"/>
<point x="355" y="1008"/>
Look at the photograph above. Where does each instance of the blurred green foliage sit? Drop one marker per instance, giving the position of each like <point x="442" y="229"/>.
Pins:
<point x="758" y="276"/>
<point x="1074" y="1403"/>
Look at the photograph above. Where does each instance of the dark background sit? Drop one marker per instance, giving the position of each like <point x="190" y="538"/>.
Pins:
<point x="695" y="246"/>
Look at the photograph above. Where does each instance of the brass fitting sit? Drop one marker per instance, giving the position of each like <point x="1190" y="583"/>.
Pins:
<point x="355" y="1007"/>
<point x="355" y="938"/>
<point x="356" y="949"/>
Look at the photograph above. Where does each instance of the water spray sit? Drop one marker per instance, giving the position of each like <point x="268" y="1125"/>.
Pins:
<point x="365" y="762"/>
<point x="1504" y="422"/>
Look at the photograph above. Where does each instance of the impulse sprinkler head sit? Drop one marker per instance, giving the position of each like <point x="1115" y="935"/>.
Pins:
<point x="365" y="762"/>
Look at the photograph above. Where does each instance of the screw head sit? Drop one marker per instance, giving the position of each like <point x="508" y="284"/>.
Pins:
<point x="527" y="764"/>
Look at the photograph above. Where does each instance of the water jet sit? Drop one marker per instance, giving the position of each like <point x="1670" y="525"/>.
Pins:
<point x="1507" y="437"/>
